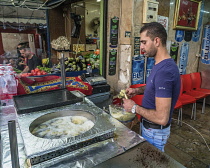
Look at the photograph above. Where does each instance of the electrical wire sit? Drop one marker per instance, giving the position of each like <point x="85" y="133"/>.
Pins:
<point x="18" y="19"/>
<point x="17" y="5"/>
<point x="30" y="17"/>
<point x="54" y="6"/>
<point x="5" y="23"/>
<point x="38" y="7"/>
<point x="196" y="131"/>
<point x="11" y="25"/>
<point x="20" y="28"/>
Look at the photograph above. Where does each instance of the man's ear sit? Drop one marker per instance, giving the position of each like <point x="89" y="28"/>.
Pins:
<point x="157" y="41"/>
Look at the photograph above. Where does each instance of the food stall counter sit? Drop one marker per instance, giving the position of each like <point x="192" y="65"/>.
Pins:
<point x="142" y="155"/>
<point x="125" y="149"/>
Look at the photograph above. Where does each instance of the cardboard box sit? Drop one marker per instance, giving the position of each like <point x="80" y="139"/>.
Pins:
<point x="78" y="47"/>
<point x="66" y="54"/>
<point x="91" y="47"/>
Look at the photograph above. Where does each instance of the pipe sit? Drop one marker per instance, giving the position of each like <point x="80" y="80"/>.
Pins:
<point x="1" y="143"/>
<point x="63" y="73"/>
<point x="104" y="58"/>
<point x="48" y="38"/>
<point x="13" y="144"/>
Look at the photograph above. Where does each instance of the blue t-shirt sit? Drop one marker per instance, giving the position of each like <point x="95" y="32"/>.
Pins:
<point x="164" y="81"/>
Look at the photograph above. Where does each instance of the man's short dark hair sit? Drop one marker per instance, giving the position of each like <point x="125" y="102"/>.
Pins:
<point x="21" y="48"/>
<point x="23" y="45"/>
<point x="155" y="29"/>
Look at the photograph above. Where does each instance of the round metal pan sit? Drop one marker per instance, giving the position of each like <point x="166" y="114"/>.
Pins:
<point x="62" y="113"/>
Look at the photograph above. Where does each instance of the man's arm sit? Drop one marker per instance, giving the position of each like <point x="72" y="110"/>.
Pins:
<point x="130" y="92"/>
<point x="160" y="115"/>
<point x="140" y="90"/>
<point x="26" y="70"/>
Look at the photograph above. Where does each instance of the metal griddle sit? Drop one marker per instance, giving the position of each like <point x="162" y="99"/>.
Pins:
<point x="44" y="100"/>
<point x="39" y="150"/>
<point x="34" y="109"/>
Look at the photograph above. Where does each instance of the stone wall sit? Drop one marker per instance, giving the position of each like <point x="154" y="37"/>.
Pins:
<point x="130" y="13"/>
<point x="194" y="47"/>
<point x="130" y="16"/>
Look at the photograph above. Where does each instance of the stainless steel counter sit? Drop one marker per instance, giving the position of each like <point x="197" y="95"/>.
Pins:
<point x="132" y="150"/>
<point x="142" y="155"/>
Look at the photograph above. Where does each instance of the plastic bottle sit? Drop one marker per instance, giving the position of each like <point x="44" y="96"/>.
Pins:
<point x="4" y="92"/>
<point x="2" y="86"/>
<point x="13" y="83"/>
<point x="11" y="86"/>
<point x="89" y="69"/>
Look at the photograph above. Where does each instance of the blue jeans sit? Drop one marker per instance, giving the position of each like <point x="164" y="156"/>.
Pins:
<point x="157" y="137"/>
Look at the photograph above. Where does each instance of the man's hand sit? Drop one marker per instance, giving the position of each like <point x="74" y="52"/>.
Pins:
<point x="128" y="104"/>
<point x="130" y="92"/>
<point x="21" y="63"/>
<point x="18" y="75"/>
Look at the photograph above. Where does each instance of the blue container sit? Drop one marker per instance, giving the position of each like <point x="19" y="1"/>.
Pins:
<point x="179" y="36"/>
<point x="150" y="64"/>
<point x="196" y="34"/>
<point x="138" y="70"/>
<point x="205" y="52"/>
<point x="183" y="58"/>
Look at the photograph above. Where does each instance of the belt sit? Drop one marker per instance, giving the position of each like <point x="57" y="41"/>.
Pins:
<point x="147" y="125"/>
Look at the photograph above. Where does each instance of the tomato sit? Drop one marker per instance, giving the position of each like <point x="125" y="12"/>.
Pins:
<point x="32" y="71"/>
<point x="39" y="73"/>
<point x="44" y="73"/>
<point x="29" y="74"/>
<point x="25" y="74"/>
<point x="36" y="69"/>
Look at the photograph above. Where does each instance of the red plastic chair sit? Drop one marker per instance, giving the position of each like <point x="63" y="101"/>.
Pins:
<point x="179" y="106"/>
<point x="187" y="99"/>
<point x="187" y="89"/>
<point x="138" y="98"/>
<point x="196" y="83"/>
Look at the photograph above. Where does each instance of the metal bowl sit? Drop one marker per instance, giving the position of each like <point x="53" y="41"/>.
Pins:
<point x="120" y="114"/>
<point x="47" y="117"/>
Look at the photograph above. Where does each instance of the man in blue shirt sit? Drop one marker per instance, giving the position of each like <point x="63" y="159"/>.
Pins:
<point x="162" y="88"/>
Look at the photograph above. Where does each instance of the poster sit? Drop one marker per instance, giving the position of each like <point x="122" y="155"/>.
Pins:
<point x="164" y="21"/>
<point x="114" y="31"/>
<point x="205" y="51"/>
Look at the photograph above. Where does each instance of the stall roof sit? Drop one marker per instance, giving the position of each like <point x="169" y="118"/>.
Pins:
<point x="32" y="4"/>
<point x="21" y="15"/>
<point x="26" y="11"/>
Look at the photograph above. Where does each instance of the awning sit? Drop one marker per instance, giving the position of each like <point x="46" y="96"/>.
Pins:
<point x="22" y="15"/>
